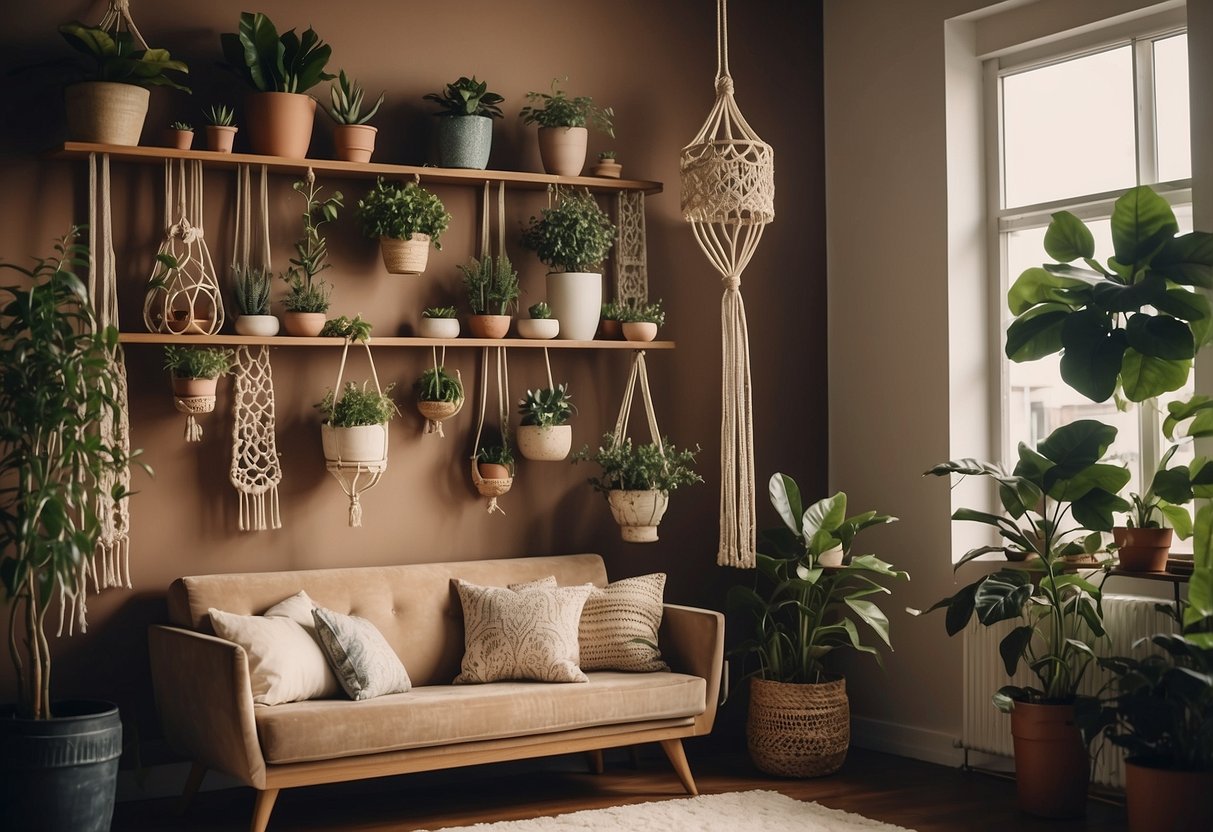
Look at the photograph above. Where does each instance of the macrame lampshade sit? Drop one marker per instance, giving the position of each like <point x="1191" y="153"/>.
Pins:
<point x="728" y="196"/>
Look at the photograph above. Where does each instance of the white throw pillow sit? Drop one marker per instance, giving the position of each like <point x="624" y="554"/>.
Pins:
<point x="365" y="664"/>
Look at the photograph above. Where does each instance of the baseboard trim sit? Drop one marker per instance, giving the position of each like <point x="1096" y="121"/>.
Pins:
<point x="907" y="741"/>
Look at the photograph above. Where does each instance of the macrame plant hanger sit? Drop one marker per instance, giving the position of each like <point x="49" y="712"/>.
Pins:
<point x="640" y="527"/>
<point x="435" y="413"/>
<point x="356" y="478"/>
<point x="728" y="197"/>
<point x="117" y="18"/>
<point x="256" y="469"/>
<point x="493" y="487"/>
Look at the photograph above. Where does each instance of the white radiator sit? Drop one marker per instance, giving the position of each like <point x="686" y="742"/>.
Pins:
<point x="1126" y="618"/>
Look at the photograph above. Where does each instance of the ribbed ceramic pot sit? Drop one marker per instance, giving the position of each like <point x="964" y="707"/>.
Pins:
<point x="362" y="443"/>
<point x="576" y="301"/>
<point x="354" y="142"/>
<point x="545" y="444"/>
<point x="280" y="123"/>
<point x="464" y="141"/>
<point x="638" y="513"/>
<point x="562" y="149"/>
<point x="105" y="112"/>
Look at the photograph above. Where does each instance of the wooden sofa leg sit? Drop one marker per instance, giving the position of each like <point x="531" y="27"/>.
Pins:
<point x="678" y="759"/>
<point x="261" y="811"/>
<point x="192" y="784"/>
<point x="595" y="760"/>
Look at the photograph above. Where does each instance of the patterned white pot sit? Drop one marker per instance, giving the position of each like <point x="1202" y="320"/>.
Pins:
<point x="576" y="301"/>
<point x="364" y="443"/>
<point x="545" y="444"/>
<point x="638" y="513"/>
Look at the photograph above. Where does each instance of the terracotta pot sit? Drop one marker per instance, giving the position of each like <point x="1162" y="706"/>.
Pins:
<point x="280" y="123"/>
<point x="220" y="138"/>
<point x="639" y="330"/>
<point x="179" y="139"/>
<point x="264" y="326"/>
<point x="611" y="330"/>
<point x="354" y="142"/>
<point x="1142" y="550"/>
<point x="1166" y="799"/>
<point x="638" y="513"/>
<point x="105" y="112"/>
<point x="464" y="141"/>
<point x="545" y="444"/>
<point x="363" y="443"/>
<point x="562" y="149"/>
<point x="493" y="471"/>
<point x="489" y="326"/>
<point x="1052" y="767"/>
<point x="438" y="328"/>
<point x="798" y="730"/>
<point x="576" y="301"/>
<point x="405" y="256"/>
<point x="538" y="329"/>
<point x="304" y="324"/>
<point x="607" y="170"/>
<point x="190" y="387"/>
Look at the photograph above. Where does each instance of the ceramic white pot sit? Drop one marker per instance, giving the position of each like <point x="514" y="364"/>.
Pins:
<point x="105" y="112"/>
<point x="405" y="256"/>
<point x="638" y="513"/>
<point x="264" y="326"/>
<point x="830" y="557"/>
<point x="546" y="444"/>
<point x="438" y="328"/>
<point x="576" y="301"/>
<point x="364" y="443"/>
<point x="539" y="329"/>
<point x="562" y="149"/>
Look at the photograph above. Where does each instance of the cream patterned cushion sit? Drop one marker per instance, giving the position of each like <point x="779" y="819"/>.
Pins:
<point x="365" y="664"/>
<point x="619" y="625"/>
<point x="525" y="634"/>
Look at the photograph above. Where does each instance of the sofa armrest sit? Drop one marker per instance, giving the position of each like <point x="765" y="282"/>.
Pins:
<point x="205" y="701"/>
<point x="692" y="641"/>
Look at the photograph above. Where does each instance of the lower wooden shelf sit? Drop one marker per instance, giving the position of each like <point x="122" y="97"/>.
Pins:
<point x="394" y="341"/>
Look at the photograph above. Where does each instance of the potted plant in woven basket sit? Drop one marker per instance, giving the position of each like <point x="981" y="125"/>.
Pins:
<point x="811" y="596"/>
<point x="492" y="287"/>
<point x="405" y="219"/>
<point x="353" y="138"/>
<point x="562" y="127"/>
<point x="545" y="433"/>
<point x="495" y="461"/>
<point x="307" y="298"/>
<point x="465" y="123"/>
<point x="439" y="396"/>
<point x="439" y="322"/>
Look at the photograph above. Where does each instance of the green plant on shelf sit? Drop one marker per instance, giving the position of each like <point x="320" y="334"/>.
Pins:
<point x="184" y="126"/>
<point x="437" y="385"/>
<point x="220" y="115"/>
<point x="197" y="362"/>
<point x="358" y="406"/>
<point x="346" y="96"/>
<point x="355" y="329"/>
<point x="492" y="285"/>
<point x="439" y="312"/>
<point x="304" y="292"/>
<point x="607" y="156"/>
<point x="269" y="62"/>
<point x="573" y="236"/>
<point x="252" y="290"/>
<point x="650" y="313"/>
<point x="557" y="109"/>
<point x="547" y="407"/>
<point x="540" y="311"/>
<point x="467" y="97"/>
<point x="400" y="211"/>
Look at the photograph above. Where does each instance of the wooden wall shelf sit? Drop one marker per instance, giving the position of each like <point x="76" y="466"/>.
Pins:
<point x="356" y="170"/>
<point x="294" y="341"/>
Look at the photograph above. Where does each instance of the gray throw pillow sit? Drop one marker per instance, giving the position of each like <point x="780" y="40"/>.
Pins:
<point x="365" y="664"/>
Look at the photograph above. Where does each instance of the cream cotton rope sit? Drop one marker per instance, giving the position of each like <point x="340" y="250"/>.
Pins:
<point x="728" y="196"/>
<point x="356" y="478"/>
<point x="117" y="17"/>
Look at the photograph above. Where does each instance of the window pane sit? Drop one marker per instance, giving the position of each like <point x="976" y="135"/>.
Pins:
<point x="1172" y="135"/>
<point x="1068" y="128"/>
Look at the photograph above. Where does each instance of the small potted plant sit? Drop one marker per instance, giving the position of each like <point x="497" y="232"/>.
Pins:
<point x="253" y="302"/>
<point x="465" y="123"/>
<point x="541" y="325"/>
<point x="545" y="433"/>
<point x="195" y="375"/>
<point x="354" y="329"/>
<point x="573" y="239"/>
<point x="496" y="461"/>
<point x="492" y="286"/>
<point x="355" y="425"/>
<point x="609" y="316"/>
<point x="107" y="102"/>
<point x="562" y="127"/>
<point x="607" y="166"/>
<point x="220" y="128"/>
<point x="640" y="323"/>
<point x="279" y="70"/>
<point x="307" y="298"/>
<point x="353" y="138"/>
<point x="439" y="397"/>
<point x="438" y="322"/>
<point x="405" y="219"/>
<point x="179" y="135"/>
<point x="637" y="481"/>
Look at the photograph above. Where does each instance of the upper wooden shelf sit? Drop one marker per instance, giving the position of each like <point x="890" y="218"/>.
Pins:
<point x="356" y="170"/>
<point x="393" y="341"/>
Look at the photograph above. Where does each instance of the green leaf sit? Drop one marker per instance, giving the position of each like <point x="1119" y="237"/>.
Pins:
<point x="872" y="615"/>
<point x="1013" y="646"/>
<point x="1160" y="336"/>
<point x="1193" y="417"/>
<point x="1178" y="518"/>
<point x="1189" y="306"/>
<point x="1036" y="333"/>
<point x="1037" y="285"/>
<point x="1068" y="238"/>
<point x="1001" y="596"/>
<point x="1145" y="377"/>
<point x="824" y="516"/>
<point x="1074" y="446"/>
<point x="1141" y="221"/>
<point x="1187" y="260"/>
<point x="785" y="497"/>
<point x="1095" y="510"/>
<point x="1093" y="353"/>
<point x="1114" y="297"/>
<point x="1110" y="478"/>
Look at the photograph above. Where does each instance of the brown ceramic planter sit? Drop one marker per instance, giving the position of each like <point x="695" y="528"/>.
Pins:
<point x="607" y="170"/>
<point x="305" y="324"/>
<point x="1143" y="550"/>
<point x="220" y="138"/>
<point x="562" y="149"/>
<point x="280" y="123"/>
<point x="1161" y="798"/>
<point x="179" y="139"/>
<point x="493" y="471"/>
<point x="489" y="326"/>
<point x="1052" y="768"/>
<point x="611" y="331"/>
<point x="189" y="387"/>
<point x="354" y="142"/>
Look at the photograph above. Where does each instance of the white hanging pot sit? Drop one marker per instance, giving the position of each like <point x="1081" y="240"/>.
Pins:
<point x="360" y="444"/>
<point x="405" y="256"/>
<point x="545" y="444"/>
<point x="638" y="513"/>
<point x="576" y="301"/>
<point x="264" y="326"/>
<point x="105" y="112"/>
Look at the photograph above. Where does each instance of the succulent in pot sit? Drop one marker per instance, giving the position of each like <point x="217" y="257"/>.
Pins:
<point x="640" y="323"/>
<point x="465" y="123"/>
<point x="220" y="128"/>
<point x="608" y="165"/>
<point x="541" y="325"/>
<point x="562" y="124"/>
<point x="308" y="297"/>
<point x="439" y="322"/>
<point x="179" y="135"/>
<point x="405" y="219"/>
<point x="353" y="138"/>
<point x="439" y="396"/>
<point x="492" y="287"/>
<point x="545" y="433"/>
<point x="496" y="461"/>
<point x="253" y="302"/>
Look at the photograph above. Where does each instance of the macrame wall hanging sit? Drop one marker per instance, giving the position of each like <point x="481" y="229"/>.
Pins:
<point x="728" y="196"/>
<point x="183" y="296"/>
<point x="631" y="255"/>
<point x="355" y="456"/>
<point x="117" y="18"/>
<point x="256" y="470"/>
<point x="638" y="513"/>
<point x="493" y="487"/>
<point x="437" y="411"/>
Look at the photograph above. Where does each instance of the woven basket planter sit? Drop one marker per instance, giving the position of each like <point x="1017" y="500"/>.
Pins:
<point x="798" y="730"/>
<point x="405" y="256"/>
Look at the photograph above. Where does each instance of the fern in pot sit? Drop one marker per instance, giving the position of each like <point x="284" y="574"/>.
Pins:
<point x="405" y="219"/>
<point x="465" y="123"/>
<point x="545" y="433"/>
<point x="253" y="302"/>
<point x="563" y="121"/>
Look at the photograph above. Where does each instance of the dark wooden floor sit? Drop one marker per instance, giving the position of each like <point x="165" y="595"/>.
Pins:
<point x="917" y="795"/>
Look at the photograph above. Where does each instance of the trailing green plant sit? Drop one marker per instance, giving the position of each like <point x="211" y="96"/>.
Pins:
<point x="467" y="97"/>
<point x="650" y="313"/>
<point x="181" y="125"/>
<point x="342" y="327"/>
<point x="574" y="236"/>
<point x="305" y="293"/>
<point x="437" y="385"/>
<point x="112" y="56"/>
<point x="1133" y="324"/>
<point x="399" y="211"/>
<point x="197" y="362"/>
<point x="547" y="407"/>
<point x="501" y="454"/>
<point x="556" y="109"/>
<point x="1055" y="503"/>
<point x="252" y="290"/>
<point x="347" y="98"/>
<point x="358" y="406"/>
<point x="220" y="115"/>
<point x="540" y="311"/>
<point x="802" y="611"/>
<point x="269" y="62"/>
<point x="628" y="467"/>
<point x="55" y="388"/>
<point x="439" y="312"/>
<point x="492" y="285"/>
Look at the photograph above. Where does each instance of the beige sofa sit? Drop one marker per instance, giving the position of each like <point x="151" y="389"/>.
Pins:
<point x="205" y="701"/>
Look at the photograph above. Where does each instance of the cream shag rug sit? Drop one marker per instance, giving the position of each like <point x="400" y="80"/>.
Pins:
<point x="760" y="811"/>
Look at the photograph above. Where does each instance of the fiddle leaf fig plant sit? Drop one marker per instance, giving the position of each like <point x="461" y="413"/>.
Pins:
<point x="1132" y="323"/>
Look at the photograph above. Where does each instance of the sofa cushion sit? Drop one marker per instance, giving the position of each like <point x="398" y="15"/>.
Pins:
<point x="524" y="634"/>
<point x="619" y="625"/>
<point x="359" y="655"/>
<point x="285" y="662"/>
<point x="451" y="714"/>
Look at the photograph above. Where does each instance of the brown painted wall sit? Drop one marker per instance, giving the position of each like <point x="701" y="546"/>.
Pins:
<point x="653" y="62"/>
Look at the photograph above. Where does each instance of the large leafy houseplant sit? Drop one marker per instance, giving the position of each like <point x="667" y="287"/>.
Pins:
<point x="269" y="62"/>
<point x="1131" y="323"/>
<point x="113" y="56"/>
<point x="55" y="389"/>
<point x="573" y="236"/>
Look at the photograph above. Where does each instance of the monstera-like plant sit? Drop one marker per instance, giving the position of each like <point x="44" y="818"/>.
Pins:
<point x="1132" y="323"/>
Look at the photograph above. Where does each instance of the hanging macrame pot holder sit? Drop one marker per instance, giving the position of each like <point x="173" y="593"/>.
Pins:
<point x="492" y="487"/>
<point x="638" y="512"/>
<point x="435" y="413"/>
<point x="361" y="470"/>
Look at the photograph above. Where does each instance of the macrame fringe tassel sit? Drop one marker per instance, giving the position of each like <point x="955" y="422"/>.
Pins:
<point x="493" y="507"/>
<point x="738" y="536"/>
<point x="253" y="515"/>
<point x="193" y="430"/>
<point x="355" y="512"/>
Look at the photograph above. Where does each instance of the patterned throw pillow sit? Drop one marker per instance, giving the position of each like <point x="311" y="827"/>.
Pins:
<point x="525" y="634"/>
<point x="285" y="663"/>
<point x="619" y="625"/>
<point x="365" y="664"/>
